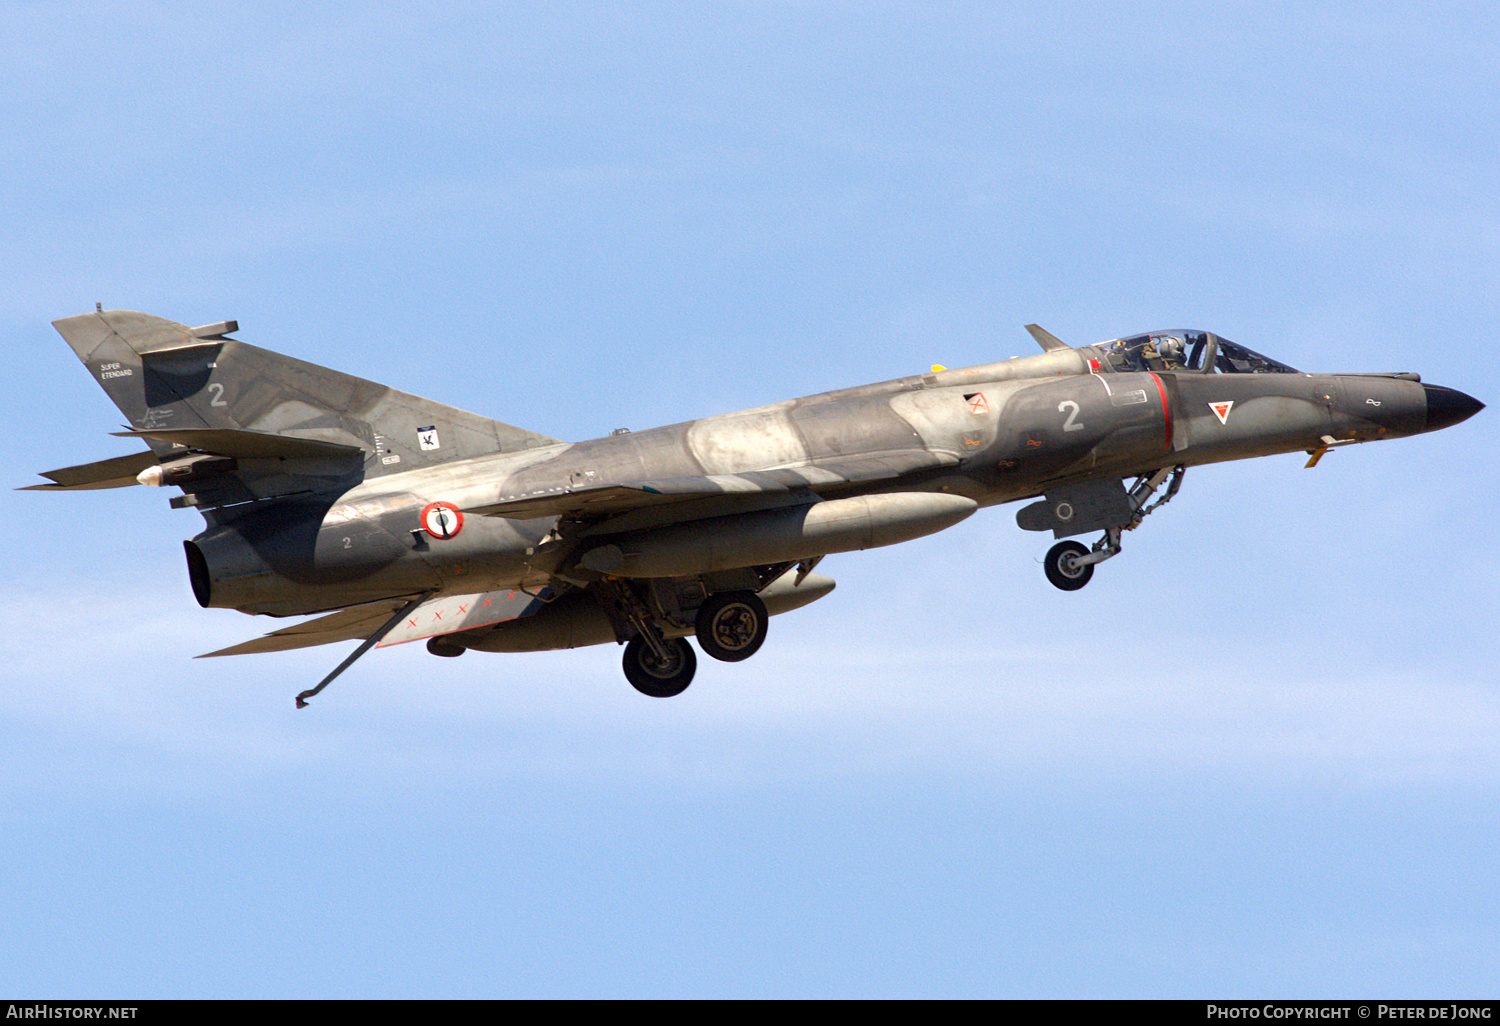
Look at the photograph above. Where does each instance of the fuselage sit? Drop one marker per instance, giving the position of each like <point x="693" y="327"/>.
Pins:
<point x="998" y="432"/>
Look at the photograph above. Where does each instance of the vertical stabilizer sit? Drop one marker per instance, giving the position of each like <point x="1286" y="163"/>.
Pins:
<point x="167" y="376"/>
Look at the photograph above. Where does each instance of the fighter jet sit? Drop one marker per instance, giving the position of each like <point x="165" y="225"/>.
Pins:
<point x="399" y="519"/>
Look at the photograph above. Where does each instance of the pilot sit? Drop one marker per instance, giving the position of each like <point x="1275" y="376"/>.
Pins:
<point x="1150" y="356"/>
<point x="1171" y="350"/>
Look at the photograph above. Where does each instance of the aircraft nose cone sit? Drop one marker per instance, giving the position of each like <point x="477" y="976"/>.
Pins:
<point x="1448" y="406"/>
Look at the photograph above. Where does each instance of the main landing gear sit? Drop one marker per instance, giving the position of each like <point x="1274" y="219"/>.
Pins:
<point x="1069" y="564"/>
<point x="730" y="626"/>
<point x="661" y="670"/>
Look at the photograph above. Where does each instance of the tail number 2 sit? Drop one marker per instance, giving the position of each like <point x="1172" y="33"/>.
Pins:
<point x="1071" y="424"/>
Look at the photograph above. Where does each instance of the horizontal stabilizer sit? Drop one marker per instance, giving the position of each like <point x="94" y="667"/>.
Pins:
<point x="246" y="444"/>
<point x="1044" y="338"/>
<point x="112" y="473"/>
<point x="609" y="499"/>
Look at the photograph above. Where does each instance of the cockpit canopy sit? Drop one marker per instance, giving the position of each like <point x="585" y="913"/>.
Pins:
<point x="1185" y="349"/>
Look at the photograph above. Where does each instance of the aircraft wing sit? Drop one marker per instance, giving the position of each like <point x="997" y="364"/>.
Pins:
<point x="612" y="498"/>
<point x="441" y="614"/>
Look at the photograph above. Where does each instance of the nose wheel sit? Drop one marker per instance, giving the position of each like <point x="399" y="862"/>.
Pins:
<point x="1063" y="567"/>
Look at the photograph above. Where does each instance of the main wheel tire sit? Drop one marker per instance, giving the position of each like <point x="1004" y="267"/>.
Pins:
<point x="1062" y="571"/>
<point x="731" y="625"/>
<point x="650" y="676"/>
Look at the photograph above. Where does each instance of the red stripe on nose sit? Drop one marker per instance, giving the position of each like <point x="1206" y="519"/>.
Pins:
<point x="1166" y="410"/>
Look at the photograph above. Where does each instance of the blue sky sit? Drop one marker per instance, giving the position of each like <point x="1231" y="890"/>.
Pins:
<point x="1255" y="757"/>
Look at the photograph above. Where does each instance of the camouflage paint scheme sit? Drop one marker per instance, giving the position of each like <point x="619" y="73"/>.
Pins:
<point x="401" y="519"/>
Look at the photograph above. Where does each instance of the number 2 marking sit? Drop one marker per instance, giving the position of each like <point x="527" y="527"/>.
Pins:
<point x="218" y="391"/>
<point x="1070" y="424"/>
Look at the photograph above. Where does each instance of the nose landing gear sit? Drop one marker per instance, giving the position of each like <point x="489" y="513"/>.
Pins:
<point x="1069" y="565"/>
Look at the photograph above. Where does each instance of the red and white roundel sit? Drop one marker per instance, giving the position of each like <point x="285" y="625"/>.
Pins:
<point x="442" y="520"/>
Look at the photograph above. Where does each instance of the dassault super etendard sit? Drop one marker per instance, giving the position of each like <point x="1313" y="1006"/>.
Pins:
<point x="401" y="519"/>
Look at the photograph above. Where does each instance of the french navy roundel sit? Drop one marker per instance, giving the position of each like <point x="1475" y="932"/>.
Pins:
<point x="442" y="520"/>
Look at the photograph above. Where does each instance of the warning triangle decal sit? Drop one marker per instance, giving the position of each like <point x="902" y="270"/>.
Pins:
<point x="1221" y="410"/>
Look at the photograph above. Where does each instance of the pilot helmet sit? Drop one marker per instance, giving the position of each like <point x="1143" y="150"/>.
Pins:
<point x="1170" y="348"/>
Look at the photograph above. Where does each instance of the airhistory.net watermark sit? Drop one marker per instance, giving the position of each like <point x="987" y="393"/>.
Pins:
<point x="46" y="1011"/>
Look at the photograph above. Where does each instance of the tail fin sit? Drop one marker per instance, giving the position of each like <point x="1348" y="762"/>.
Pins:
<point x="167" y="377"/>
